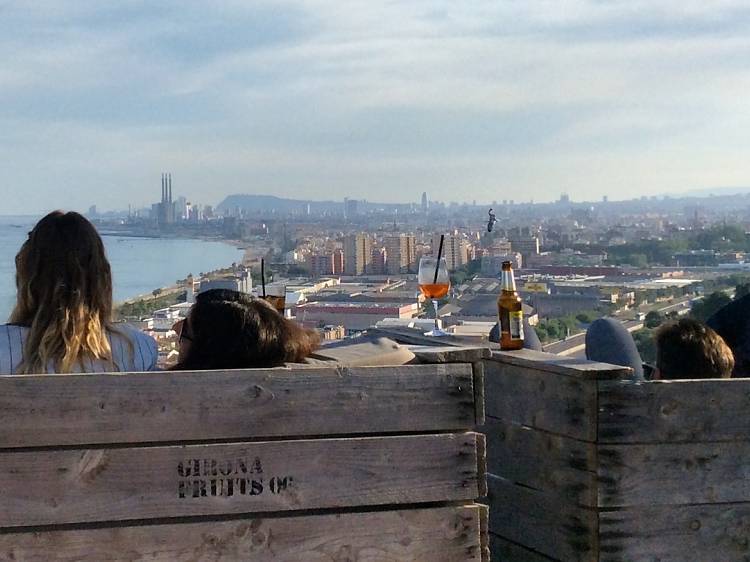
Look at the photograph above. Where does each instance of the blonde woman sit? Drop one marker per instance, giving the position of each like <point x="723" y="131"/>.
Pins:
<point x="62" y="319"/>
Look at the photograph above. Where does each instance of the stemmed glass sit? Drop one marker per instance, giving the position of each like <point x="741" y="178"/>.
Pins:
<point x="434" y="284"/>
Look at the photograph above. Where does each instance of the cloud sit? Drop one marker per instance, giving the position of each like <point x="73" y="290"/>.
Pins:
<point x="320" y="98"/>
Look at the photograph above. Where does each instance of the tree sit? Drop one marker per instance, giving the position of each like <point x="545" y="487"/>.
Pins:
<point x="644" y="341"/>
<point x="584" y="318"/>
<point x="653" y="319"/>
<point x="703" y="309"/>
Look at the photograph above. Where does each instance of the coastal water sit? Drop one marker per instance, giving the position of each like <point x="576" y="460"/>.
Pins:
<point x="139" y="265"/>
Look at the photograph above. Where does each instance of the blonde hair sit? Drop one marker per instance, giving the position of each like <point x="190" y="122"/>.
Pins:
<point x="64" y="295"/>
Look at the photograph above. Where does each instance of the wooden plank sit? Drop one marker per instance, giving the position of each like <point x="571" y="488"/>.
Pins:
<point x="714" y="532"/>
<point x="484" y="531"/>
<point x="447" y="534"/>
<point x="46" y="487"/>
<point x="542" y="523"/>
<point x="669" y="473"/>
<point x="543" y="461"/>
<point x="545" y="400"/>
<point x="413" y="336"/>
<point x="506" y="551"/>
<point x="562" y="365"/>
<point x="674" y="411"/>
<point x="174" y="406"/>
<point x="450" y="354"/>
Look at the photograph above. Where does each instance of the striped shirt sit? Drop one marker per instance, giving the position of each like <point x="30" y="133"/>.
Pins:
<point x="141" y="356"/>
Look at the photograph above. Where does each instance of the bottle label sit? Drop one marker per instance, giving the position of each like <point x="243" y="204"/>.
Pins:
<point x="516" y="325"/>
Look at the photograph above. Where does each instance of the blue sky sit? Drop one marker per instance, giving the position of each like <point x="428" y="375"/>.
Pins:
<point x="370" y="99"/>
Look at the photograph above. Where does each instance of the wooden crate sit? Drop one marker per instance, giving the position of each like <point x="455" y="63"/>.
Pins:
<point x="586" y="466"/>
<point x="311" y="464"/>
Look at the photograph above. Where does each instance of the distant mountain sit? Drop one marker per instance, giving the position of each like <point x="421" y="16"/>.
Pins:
<point x="271" y="203"/>
<point x="712" y="191"/>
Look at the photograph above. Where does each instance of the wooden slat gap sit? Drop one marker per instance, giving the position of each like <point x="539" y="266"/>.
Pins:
<point x="540" y="430"/>
<point x="232" y="440"/>
<point x="233" y="517"/>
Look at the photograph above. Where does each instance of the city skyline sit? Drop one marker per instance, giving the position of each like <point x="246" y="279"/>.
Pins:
<point x="314" y="100"/>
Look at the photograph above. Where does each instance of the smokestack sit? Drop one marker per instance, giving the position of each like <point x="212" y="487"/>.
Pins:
<point x="170" y="187"/>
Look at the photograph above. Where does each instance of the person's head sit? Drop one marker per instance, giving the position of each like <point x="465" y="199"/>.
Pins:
<point x="688" y="349"/>
<point x="64" y="294"/>
<point x="231" y="330"/>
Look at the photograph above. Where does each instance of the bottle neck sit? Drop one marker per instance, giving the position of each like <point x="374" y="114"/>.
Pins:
<point x="507" y="281"/>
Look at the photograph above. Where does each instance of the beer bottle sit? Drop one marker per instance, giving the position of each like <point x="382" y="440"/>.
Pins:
<point x="510" y="311"/>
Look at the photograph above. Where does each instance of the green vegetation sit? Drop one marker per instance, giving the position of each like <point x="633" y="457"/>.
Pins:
<point x="653" y="319"/>
<point x="644" y="341"/>
<point x="554" y="329"/>
<point x="661" y="252"/>
<point x="466" y="272"/>
<point x="703" y="309"/>
<point x="146" y="307"/>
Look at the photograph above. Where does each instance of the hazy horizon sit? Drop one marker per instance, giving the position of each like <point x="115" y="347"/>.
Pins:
<point x="311" y="99"/>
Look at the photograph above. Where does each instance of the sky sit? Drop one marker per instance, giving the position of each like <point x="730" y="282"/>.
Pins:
<point x="379" y="100"/>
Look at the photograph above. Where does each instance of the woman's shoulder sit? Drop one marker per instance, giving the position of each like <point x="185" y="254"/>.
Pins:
<point x="9" y="331"/>
<point x="144" y="352"/>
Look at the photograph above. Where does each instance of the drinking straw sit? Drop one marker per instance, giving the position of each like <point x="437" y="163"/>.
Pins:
<point x="440" y="255"/>
<point x="263" y="276"/>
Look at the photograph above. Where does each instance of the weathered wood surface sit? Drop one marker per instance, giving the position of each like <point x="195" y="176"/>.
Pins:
<point x="414" y="336"/>
<point x="542" y="522"/>
<point x="561" y="365"/>
<point x="543" y="461"/>
<point x="674" y="411"/>
<point x="480" y="411"/>
<point x="506" y="551"/>
<point x="700" y="533"/>
<point x="45" y="410"/>
<point x="448" y="534"/>
<point x="72" y="486"/>
<point x="673" y="474"/>
<point x="556" y="403"/>
<point x="450" y="354"/>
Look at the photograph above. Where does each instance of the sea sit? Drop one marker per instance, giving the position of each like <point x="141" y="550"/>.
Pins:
<point x="139" y="265"/>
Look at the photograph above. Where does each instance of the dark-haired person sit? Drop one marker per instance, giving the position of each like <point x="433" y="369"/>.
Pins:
<point x="688" y="349"/>
<point x="62" y="320"/>
<point x="230" y="330"/>
<point x="732" y="323"/>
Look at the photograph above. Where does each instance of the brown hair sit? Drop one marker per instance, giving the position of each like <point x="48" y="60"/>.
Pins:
<point x="687" y="349"/>
<point x="232" y="330"/>
<point x="64" y="294"/>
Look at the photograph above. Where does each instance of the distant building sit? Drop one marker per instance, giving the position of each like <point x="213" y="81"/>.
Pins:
<point x="400" y="254"/>
<point x="526" y="245"/>
<point x="357" y="254"/>
<point x="240" y="281"/>
<point x="377" y="267"/>
<point x="425" y="202"/>
<point x="330" y="332"/>
<point x="351" y="208"/>
<point x="492" y="265"/>
<point x="320" y="264"/>
<point x="337" y="267"/>
<point x="456" y="250"/>
<point x="165" y="210"/>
